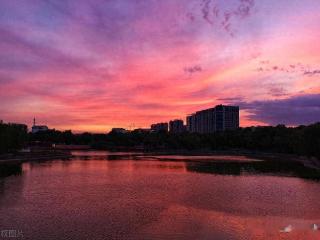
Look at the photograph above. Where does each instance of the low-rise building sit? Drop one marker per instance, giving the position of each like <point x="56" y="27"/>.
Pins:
<point x="176" y="126"/>
<point x="38" y="128"/>
<point x="142" y="130"/>
<point x="119" y="130"/>
<point x="159" y="127"/>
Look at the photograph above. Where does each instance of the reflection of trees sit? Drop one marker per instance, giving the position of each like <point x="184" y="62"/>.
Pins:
<point x="283" y="168"/>
<point x="10" y="169"/>
<point x="10" y="191"/>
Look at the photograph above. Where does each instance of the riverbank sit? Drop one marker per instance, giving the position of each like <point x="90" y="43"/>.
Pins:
<point x="226" y="162"/>
<point x="232" y="162"/>
<point x="33" y="156"/>
<point x="309" y="162"/>
<point x="204" y="156"/>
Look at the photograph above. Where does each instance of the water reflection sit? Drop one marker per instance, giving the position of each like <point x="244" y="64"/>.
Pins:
<point x="279" y="168"/>
<point x="222" y="165"/>
<point x="104" y="155"/>
<point x="11" y="185"/>
<point x="88" y="198"/>
<point x="10" y="169"/>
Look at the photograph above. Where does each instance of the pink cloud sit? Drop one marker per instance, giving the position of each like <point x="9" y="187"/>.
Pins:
<point x="92" y="68"/>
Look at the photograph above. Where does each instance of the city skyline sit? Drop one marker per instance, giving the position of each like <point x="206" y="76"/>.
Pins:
<point x="178" y="125"/>
<point x="94" y="66"/>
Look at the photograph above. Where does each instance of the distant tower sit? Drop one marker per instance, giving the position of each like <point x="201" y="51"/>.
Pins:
<point x="34" y="121"/>
<point x="131" y="126"/>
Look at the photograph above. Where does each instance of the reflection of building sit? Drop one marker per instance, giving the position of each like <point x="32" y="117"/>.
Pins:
<point x="219" y="118"/>
<point x="38" y="128"/>
<point x="176" y="126"/>
<point x="159" y="127"/>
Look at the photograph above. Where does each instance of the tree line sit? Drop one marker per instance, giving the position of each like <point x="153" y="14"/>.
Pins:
<point x="301" y="140"/>
<point x="12" y="136"/>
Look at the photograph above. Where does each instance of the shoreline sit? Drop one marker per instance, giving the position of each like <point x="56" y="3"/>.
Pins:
<point x="309" y="162"/>
<point x="33" y="156"/>
<point x="218" y="162"/>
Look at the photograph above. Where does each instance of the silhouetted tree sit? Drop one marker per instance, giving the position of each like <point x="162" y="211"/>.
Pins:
<point x="12" y="136"/>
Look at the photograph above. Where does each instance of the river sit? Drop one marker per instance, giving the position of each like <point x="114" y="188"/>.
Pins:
<point x="102" y="195"/>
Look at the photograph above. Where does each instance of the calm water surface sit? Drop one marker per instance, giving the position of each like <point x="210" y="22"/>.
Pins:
<point x="98" y="195"/>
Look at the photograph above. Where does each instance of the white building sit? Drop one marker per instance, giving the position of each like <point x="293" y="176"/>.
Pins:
<point x="38" y="128"/>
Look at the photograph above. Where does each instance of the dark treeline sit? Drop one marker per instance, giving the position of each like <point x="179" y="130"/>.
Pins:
<point x="12" y="136"/>
<point x="95" y="141"/>
<point x="302" y="140"/>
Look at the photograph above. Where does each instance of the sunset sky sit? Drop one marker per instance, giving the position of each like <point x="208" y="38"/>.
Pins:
<point x="93" y="65"/>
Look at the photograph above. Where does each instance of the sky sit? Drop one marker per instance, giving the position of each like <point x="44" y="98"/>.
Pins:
<point x="94" y="65"/>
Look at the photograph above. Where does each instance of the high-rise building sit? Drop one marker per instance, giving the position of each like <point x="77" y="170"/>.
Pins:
<point x="176" y="126"/>
<point x="227" y="117"/>
<point x="219" y="118"/>
<point x="159" y="127"/>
